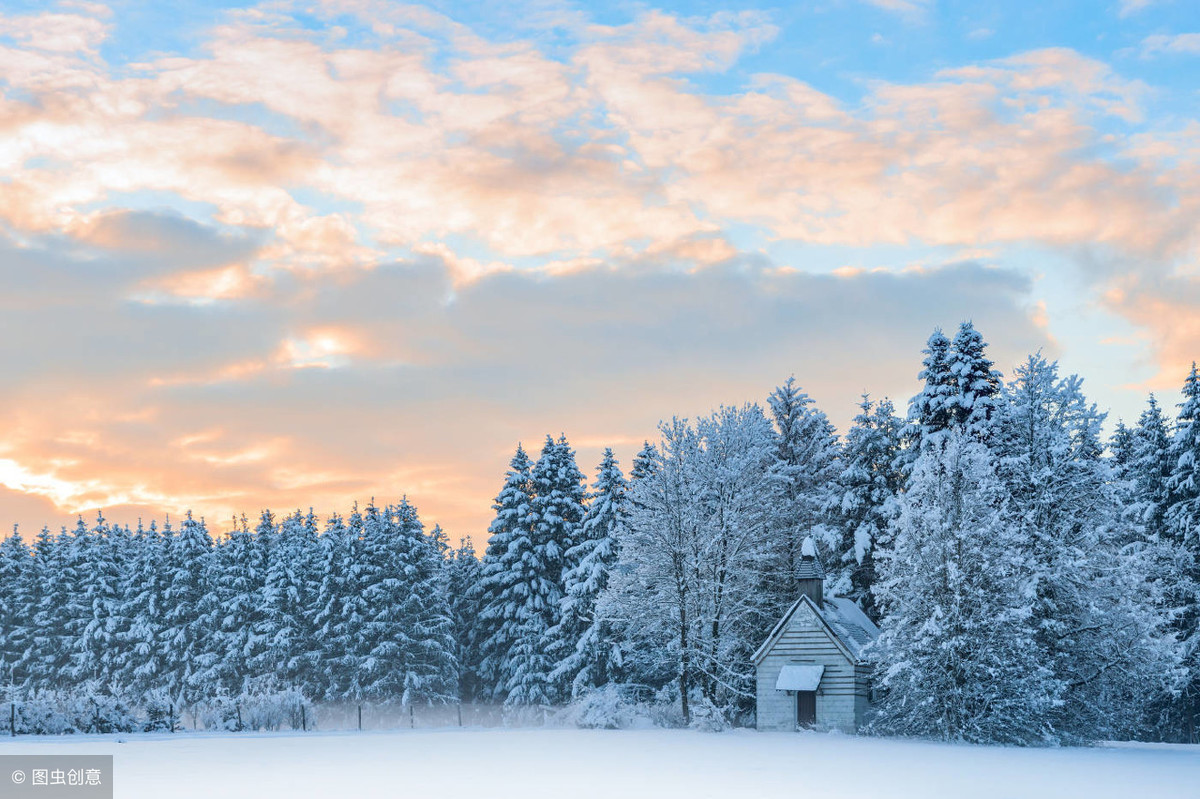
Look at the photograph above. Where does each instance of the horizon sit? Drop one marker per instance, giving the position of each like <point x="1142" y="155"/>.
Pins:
<point x="298" y="255"/>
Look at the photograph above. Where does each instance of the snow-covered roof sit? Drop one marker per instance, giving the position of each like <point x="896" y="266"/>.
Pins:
<point x="849" y="626"/>
<point x="803" y="677"/>
<point x="850" y="623"/>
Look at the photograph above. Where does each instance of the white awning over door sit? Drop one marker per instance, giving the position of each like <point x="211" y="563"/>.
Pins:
<point x="799" y="678"/>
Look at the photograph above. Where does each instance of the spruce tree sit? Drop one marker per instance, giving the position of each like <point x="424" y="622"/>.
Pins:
<point x="870" y="485"/>
<point x="463" y="572"/>
<point x="1182" y="527"/>
<point x="508" y="572"/>
<point x="807" y="469"/>
<point x="583" y="645"/>
<point x="17" y="603"/>
<point x="142" y="666"/>
<point x="184" y="633"/>
<point x="1097" y="619"/>
<point x="955" y="654"/>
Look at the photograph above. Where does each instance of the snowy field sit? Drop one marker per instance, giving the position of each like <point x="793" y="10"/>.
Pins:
<point x="497" y="764"/>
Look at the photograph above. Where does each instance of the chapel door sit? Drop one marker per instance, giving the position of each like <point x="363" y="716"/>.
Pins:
<point x="806" y="708"/>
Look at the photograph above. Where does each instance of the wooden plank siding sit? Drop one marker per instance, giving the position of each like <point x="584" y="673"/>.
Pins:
<point x="843" y="692"/>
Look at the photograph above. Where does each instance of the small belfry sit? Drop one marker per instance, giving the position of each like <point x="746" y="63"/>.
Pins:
<point x="810" y="672"/>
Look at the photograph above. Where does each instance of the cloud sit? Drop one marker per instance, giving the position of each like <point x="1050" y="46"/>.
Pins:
<point x="1130" y="7"/>
<point x="304" y="265"/>
<point x="424" y="384"/>
<point x="909" y="7"/>
<point x="1178" y="44"/>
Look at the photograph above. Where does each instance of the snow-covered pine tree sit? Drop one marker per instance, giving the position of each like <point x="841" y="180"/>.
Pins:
<point x="955" y="656"/>
<point x="142" y="666"/>
<point x="930" y="411"/>
<point x="94" y="637"/>
<point x="505" y="575"/>
<point x="408" y="655"/>
<point x="58" y="613"/>
<point x="1145" y="463"/>
<point x="807" y="469"/>
<point x="1182" y="527"/>
<point x="231" y="609"/>
<point x="339" y="612"/>
<point x="184" y="636"/>
<point x="462" y="575"/>
<point x="1183" y="515"/>
<point x="959" y="391"/>
<point x="17" y="603"/>
<point x="976" y="384"/>
<point x="583" y="645"/>
<point x="556" y="513"/>
<point x="870" y="484"/>
<point x="286" y="603"/>
<point x="644" y="462"/>
<point x="1097" y="620"/>
<point x="424" y="623"/>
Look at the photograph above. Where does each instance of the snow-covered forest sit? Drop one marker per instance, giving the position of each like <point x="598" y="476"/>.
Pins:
<point x="1034" y="582"/>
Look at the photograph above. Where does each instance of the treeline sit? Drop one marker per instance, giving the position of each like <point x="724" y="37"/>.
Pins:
<point x="107" y="629"/>
<point x="1032" y="581"/>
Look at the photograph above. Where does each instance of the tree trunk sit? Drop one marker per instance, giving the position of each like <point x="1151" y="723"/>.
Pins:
<point x="684" y="666"/>
<point x="360" y="718"/>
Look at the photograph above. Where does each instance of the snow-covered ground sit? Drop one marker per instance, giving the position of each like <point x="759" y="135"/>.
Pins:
<point x="616" y="764"/>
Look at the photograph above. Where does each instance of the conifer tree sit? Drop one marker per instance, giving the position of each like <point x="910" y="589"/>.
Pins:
<point x="94" y="637"/>
<point x="142" y="664"/>
<point x="955" y="654"/>
<point x="184" y="634"/>
<point x="463" y="572"/>
<point x="512" y="584"/>
<point x="870" y="485"/>
<point x="339" y="613"/>
<point x="17" y="603"/>
<point x="584" y="646"/>
<point x="57" y="615"/>
<point x="1147" y="468"/>
<point x="1097" y="621"/>
<point x="807" y="470"/>
<point x="1182" y="527"/>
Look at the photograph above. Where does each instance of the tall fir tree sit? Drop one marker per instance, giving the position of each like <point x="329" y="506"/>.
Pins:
<point x="870" y="486"/>
<point x="807" y="469"/>
<point x="17" y="603"/>
<point x="463" y="572"/>
<point x="1182" y="527"/>
<point x="184" y="633"/>
<point x="1098" y="623"/>
<point x="955" y="654"/>
<point x="583" y="645"/>
<point x="513" y="584"/>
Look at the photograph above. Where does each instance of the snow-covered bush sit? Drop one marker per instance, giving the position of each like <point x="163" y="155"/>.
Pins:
<point x="219" y="712"/>
<point x="160" y="712"/>
<point x="272" y="709"/>
<point x="708" y="717"/>
<point x="609" y="707"/>
<point x="102" y="709"/>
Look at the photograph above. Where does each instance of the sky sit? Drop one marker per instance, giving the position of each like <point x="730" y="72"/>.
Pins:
<point x="301" y="254"/>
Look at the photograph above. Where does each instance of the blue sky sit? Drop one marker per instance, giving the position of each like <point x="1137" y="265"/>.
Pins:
<point x="311" y="252"/>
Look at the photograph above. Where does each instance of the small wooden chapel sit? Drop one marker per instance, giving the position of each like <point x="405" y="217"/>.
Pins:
<point x="810" y="672"/>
